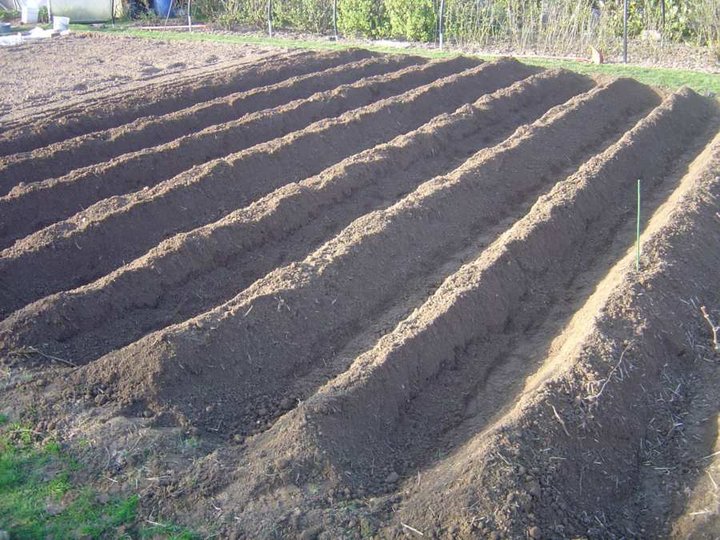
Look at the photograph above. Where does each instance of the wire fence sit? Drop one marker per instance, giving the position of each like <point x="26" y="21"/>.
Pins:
<point x="543" y="26"/>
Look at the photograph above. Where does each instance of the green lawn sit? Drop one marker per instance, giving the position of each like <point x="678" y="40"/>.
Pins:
<point x="661" y="77"/>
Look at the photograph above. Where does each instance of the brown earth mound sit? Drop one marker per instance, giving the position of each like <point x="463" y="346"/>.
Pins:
<point x="388" y="296"/>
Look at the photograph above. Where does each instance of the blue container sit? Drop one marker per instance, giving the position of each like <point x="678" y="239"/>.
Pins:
<point x="162" y="7"/>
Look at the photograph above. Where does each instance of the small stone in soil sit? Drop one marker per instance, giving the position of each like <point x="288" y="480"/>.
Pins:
<point x="286" y="404"/>
<point x="535" y="533"/>
<point x="392" y="478"/>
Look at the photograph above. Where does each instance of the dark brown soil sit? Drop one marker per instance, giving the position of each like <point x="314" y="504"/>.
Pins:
<point x="30" y="207"/>
<point x="65" y="156"/>
<point x="137" y="221"/>
<point x="385" y="296"/>
<point x="203" y="259"/>
<point x="101" y="110"/>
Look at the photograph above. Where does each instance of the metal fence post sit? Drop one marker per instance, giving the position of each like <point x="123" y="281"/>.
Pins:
<point x="662" y="10"/>
<point x="625" y="30"/>
<point x="335" y="19"/>
<point x="441" y="24"/>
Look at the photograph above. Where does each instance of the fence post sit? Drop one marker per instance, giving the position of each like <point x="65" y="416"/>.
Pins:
<point x="335" y="19"/>
<point x="441" y="23"/>
<point x="625" y="30"/>
<point x="662" y="9"/>
<point x="269" y="17"/>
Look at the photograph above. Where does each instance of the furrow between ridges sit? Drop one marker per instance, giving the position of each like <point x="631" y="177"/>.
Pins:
<point x="49" y="201"/>
<point x="210" y="192"/>
<point x="522" y="270"/>
<point x="127" y="106"/>
<point x="58" y="159"/>
<point x="25" y="211"/>
<point x="152" y="292"/>
<point x="278" y="328"/>
<point x="607" y="381"/>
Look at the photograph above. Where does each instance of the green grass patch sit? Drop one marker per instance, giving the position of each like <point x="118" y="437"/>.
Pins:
<point x="660" y="77"/>
<point x="38" y="498"/>
<point x="41" y="497"/>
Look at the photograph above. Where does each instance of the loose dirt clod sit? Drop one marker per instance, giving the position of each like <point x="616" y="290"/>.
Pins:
<point x="352" y="295"/>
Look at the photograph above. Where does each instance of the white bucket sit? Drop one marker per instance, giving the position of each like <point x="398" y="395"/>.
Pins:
<point x="29" y="15"/>
<point x="61" y="23"/>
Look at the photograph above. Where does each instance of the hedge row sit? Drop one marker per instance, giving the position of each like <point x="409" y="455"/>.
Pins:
<point x="544" y="24"/>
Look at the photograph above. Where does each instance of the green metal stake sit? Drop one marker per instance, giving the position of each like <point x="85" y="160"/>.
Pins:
<point x="637" y="233"/>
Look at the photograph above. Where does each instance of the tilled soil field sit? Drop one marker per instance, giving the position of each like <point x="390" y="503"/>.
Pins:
<point x="345" y="295"/>
<point x="44" y="75"/>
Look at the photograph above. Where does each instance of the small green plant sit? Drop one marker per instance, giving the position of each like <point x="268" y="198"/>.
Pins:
<point x="43" y="15"/>
<point x="191" y="443"/>
<point x="11" y="15"/>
